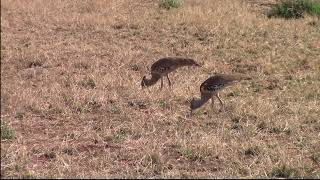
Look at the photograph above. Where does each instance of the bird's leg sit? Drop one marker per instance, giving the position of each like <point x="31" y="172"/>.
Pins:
<point x="212" y="102"/>
<point x="221" y="103"/>
<point x="169" y="80"/>
<point x="191" y="112"/>
<point x="161" y="83"/>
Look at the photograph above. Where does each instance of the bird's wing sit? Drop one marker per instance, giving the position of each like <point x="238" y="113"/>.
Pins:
<point x="211" y="87"/>
<point x="163" y="67"/>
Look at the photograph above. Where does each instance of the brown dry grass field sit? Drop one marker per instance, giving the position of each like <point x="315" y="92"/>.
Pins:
<point x="72" y="103"/>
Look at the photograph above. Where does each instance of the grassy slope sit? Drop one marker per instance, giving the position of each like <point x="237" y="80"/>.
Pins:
<point x="81" y="112"/>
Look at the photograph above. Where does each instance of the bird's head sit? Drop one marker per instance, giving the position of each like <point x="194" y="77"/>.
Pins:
<point x="143" y="84"/>
<point x="193" y="104"/>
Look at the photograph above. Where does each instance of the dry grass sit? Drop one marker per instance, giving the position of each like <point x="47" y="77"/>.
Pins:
<point x="70" y="90"/>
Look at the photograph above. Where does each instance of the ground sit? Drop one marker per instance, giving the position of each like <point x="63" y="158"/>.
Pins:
<point x="72" y="103"/>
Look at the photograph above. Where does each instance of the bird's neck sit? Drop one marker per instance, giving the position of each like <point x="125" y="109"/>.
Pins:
<point x="151" y="81"/>
<point x="199" y="102"/>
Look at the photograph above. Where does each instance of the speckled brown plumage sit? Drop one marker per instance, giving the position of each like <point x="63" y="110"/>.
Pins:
<point x="211" y="87"/>
<point x="163" y="67"/>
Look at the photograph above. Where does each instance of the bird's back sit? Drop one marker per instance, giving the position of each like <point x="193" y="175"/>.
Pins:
<point x="218" y="82"/>
<point x="169" y="64"/>
<point x="162" y="64"/>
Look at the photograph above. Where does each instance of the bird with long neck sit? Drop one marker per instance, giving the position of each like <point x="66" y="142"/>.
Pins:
<point x="210" y="88"/>
<point x="163" y="67"/>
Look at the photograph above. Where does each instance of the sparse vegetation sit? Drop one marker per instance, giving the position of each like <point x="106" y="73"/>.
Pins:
<point x="6" y="132"/>
<point x="295" y="8"/>
<point x="153" y="162"/>
<point x="311" y="7"/>
<point x="252" y="151"/>
<point x="72" y="105"/>
<point x="168" y="4"/>
<point x="284" y="172"/>
<point x="88" y="83"/>
<point x="316" y="157"/>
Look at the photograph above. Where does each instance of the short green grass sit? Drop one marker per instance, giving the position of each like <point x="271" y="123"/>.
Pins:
<point x="168" y="4"/>
<point x="312" y="7"/>
<point x="6" y="132"/>
<point x="295" y="8"/>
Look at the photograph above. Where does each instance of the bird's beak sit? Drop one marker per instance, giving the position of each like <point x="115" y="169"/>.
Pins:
<point x="142" y="84"/>
<point x="191" y="112"/>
